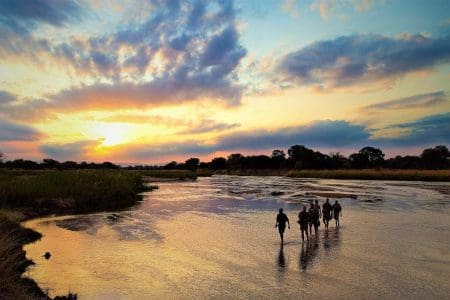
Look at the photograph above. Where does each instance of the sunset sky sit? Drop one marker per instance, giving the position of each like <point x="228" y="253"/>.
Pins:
<point x="133" y="81"/>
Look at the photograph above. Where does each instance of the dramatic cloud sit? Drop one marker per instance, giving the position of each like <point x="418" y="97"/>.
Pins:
<point x="412" y="102"/>
<point x="76" y="150"/>
<point x="430" y="130"/>
<point x="183" y="51"/>
<point x="316" y="134"/>
<point x="16" y="132"/>
<point x="358" y="59"/>
<point x="22" y="16"/>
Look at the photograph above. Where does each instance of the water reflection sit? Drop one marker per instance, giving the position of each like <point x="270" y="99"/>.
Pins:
<point x="331" y="238"/>
<point x="281" y="259"/>
<point x="199" y="240"/>
<point x="308" y="252"/>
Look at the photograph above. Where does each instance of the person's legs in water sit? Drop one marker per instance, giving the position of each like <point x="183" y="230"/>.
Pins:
<point x="310" y="228"/>
<point x="281" y="231"/>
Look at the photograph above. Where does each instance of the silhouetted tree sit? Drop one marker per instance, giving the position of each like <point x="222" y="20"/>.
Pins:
<point x="22" y="164"/>
<point x="108" y="165"/>
<point x="69" y="165"/>
<point x="403" y="162"/>
<point x="358" y="161"/>
<point x="337" y="161"/>
<point x="205" y="165"/>
<point x="374" y="156"/>
<point x="218" y="163"/>
<point x="302" y="157"/>
<point x="192" y="164"/>
<point x="256" y="162"/>
<point x="170" y="166"/>
<point x="49" y="163"/>
<point x="235" y="161"/>
<point x="435" y="158"/>
<point x="367" y="157"/>
<point x="278" y="158"/>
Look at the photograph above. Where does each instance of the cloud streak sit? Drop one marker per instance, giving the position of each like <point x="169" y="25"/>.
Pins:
<point x="22" y="16"/>
<point x="15" y="132"/>
<point x="411" y="102"/>
<point x="361" y="59"/>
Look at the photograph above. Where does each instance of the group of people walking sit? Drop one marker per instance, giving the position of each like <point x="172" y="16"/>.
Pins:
<point x="311" y="218"/>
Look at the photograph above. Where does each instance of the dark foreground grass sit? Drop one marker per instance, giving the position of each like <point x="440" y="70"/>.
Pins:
<point x="75" y="191"/>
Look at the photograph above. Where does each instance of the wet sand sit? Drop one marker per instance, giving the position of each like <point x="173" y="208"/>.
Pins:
<point x="215" y="239"/>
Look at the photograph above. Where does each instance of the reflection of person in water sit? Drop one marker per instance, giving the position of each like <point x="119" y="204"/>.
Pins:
<point x="337" y="212"/>
<point x="303" y="220"/>
<point x="308" y="252"/>
<point x="326" y="211"/>
<point x="311" y="216"/>
<point x="281" y="259"/>
<point x="281" y="223"/>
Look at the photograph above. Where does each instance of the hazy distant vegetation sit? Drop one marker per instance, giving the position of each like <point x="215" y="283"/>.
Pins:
<point x="298" y="157"/>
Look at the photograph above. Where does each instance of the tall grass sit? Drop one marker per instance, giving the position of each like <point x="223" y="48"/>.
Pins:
<point x="52" y="191"/>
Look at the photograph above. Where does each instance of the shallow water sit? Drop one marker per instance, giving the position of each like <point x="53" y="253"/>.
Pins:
<point x="214" y="238"/>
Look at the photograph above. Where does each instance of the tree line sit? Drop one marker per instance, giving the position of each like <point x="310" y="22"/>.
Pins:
<point x="297" y="157"/>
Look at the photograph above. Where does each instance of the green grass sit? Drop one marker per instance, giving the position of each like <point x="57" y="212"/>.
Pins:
<point x="52" y="191"/>
<point x="375" y="174"/>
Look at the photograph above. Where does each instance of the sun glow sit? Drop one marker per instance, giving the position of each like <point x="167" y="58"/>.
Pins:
<point x="111" y="133"/>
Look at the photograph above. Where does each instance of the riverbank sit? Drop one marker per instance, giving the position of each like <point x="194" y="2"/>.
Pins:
<point x="360" y="174"/>
<point x="26" y="194"/>
<point x="14" y="262"/>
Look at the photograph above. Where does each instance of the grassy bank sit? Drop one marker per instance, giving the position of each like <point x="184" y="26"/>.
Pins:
<point x="364" y="174"/>
<point x="38" y="193"/>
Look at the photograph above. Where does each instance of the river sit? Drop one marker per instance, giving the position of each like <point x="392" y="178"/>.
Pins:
<point x="215" y="238"/>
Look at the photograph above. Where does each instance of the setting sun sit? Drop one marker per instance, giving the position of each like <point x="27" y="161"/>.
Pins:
<point x="111" y="133"/>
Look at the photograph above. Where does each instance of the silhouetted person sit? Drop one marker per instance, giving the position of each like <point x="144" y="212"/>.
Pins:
<point x="311" y="213"/>
<point x="281" y="223"/>
<point x="314" y="214"/>
<point x="303" y="220"/>
<point x="337" y="212"/>
<point x="318" y="208"/>
<point x="326" y="211"/>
